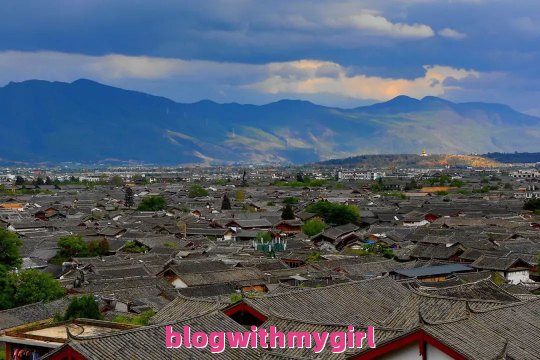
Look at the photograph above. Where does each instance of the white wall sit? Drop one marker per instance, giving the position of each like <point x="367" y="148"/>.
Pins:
<point x="515" y="277"/>
<point x="435" y="354"/>
<point x="121" y="307"/>
<point x="179" y="284"/>
<point x="418" y="223"/>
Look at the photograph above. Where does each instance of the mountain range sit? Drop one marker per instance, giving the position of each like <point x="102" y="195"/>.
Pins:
<point x="85" y="121"/>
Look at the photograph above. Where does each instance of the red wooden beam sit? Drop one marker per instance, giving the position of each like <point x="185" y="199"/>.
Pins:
<point x="420" y="337"/>
<point x="67" y="353"/>
<point x="243" y="307"/>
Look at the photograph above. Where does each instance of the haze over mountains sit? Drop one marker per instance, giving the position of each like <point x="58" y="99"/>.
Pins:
<point x="85" y="121"/>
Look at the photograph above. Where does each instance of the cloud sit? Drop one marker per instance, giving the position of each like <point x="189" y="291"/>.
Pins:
<point x="527" y="25"/>
<point x="378" y="24"/>
<point x="451" y="34"/>
<point x="302" y="77"/>
<point x="198" y="79"/>
<point x="51" y="65"/>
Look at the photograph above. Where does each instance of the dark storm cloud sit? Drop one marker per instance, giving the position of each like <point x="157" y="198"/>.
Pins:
<point x="232" y="44"/>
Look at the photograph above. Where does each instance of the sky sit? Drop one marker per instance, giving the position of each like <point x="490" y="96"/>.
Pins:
<point x="342" y="53"/>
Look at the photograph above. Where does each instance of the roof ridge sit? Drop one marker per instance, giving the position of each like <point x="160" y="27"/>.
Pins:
<point x="282" y="317"/>
<point x="503" y="306"/>
<point x="179" y="295"/>
<point x="436" y="296"/>
<point x="486" y="280"/>
<point x="23" y="306"/>
<point x="141" y="328"/>
<point x="327" y="287"/>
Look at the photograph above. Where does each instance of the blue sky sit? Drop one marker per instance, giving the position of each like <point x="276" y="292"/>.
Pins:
<point x="332" y="52"/>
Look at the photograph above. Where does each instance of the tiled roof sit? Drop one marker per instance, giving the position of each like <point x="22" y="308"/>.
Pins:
<point x="148" y="342"/>
<point x="373" y="301"/>
<point x="184" y="307"/>
<point x="480" y="290"/>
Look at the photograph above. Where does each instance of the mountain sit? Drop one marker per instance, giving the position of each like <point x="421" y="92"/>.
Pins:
<point x="85" y="121"/>
<point x="412" y="160"/>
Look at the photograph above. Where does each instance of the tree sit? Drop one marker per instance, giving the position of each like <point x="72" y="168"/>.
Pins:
<point x="128" y="197"/>
<point x="376" y="187"/>
<point x="104" y="247"/>
<point x="457" y="183"/>
<point x="139" y="179"/>
<point x="244" y="178"/>
<point x="7" y="289"/>
<point x="264" y="236"/>
<point x="32" y="286"/>
<point x="19" y="180"/>
<point x="291" y="200"/>
<point x="142" y="319"/>
<point x="300" y="177"/>
<point x="98" y="248"/>
<point x="9" y="249"/>
<point x="313" y="227"/>
<point x="337" y="214"/>
<point x="314" y="257"/>
<point x="152" y="203"/>
<point x="9" y="259"/>
<point x="288" y="213"/>
<point x="71" y="246"/>
<point x="48" y="181"/>
<point x="532" y="205"/>
<point x="83" y="307"/>
<point x="133" y="247"/>
<point x="239" y="196"/>
<point x="226" y="203"/>
<point x="411" y="185"/>
<point x="39" y="181"/>
<point x="197" y="190"/>
<point x="117" y="181"/>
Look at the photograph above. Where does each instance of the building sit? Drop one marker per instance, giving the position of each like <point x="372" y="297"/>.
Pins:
<point x="430" y="273"/>
<point x="526" y="174"/>
<point x="34" y="340"/>
<point x="360" y="175"/>
<point x="514" y="270"/>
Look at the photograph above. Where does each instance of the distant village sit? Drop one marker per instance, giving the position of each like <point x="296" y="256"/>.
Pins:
<point x="443" y="262"/>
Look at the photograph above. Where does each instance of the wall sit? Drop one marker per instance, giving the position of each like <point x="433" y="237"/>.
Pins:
<point x="515" y="277"/>
<point x="432" y="353"/>
<point x="179" y="284"/>
<point x="409" y="352"/>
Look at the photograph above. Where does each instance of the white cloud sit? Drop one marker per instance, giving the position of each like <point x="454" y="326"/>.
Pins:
<point x="452" y="34"/>
<point x="51" y="65"/>
<point x="373" y="23"/>
<point x="302" y="78"/>
<point x="381" y="25"/>
<point x="305" y="80"/>
<point x="526" y="25"/>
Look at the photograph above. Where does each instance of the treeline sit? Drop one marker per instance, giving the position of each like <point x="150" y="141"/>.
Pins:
<point x="374" y="160"/>
<point x="21" y="287"/>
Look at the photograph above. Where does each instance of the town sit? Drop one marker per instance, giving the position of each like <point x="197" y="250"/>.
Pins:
<point x="441" y="261"/>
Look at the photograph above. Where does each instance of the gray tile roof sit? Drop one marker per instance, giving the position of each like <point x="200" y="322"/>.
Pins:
<point x="148" y="342"/>
<point x="433" y="270"/>
<point x="373" y="301"/>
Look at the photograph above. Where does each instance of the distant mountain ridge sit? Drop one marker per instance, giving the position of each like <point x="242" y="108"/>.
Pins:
<point x="85" y="121"/>
<point x="385" y="161"/>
